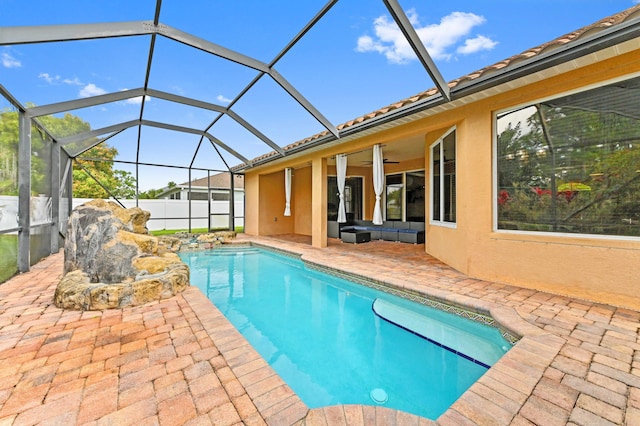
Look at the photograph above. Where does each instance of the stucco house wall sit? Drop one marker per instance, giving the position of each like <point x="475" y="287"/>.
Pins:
<point x="600" y="268"/>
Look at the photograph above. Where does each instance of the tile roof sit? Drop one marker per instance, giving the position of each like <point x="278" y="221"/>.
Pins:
<point x="537" y="51"/>
<point x="220" y="180"/>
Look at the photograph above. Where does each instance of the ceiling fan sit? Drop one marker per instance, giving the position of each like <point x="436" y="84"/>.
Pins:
<point x="384" y="161"/>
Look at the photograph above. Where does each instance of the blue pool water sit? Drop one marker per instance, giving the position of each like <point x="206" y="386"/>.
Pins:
<point x="321" y="335"/>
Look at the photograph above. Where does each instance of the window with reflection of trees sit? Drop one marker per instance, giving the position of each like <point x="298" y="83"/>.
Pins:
<point x="572" y="164"/>
<point x="404" y="196"/>
<point x="394" y="187"/>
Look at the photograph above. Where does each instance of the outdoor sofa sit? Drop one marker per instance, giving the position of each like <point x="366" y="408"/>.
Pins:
<point x="392" y="230"/>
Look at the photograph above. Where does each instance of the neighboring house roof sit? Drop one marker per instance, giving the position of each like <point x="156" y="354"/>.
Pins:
<point x="217" y="181"/>
<point x="513" y="66"/>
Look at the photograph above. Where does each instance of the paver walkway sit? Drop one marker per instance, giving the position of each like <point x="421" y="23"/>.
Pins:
<point x="178" y="361"/>
<point x="153" y="364"/>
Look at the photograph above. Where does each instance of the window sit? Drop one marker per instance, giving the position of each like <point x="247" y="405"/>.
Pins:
<point x="415" y="196"/>
<point x="571" y="164"/>
<point x="352" y="198"/>
<point x="198" y="196"/>
<point x="220" y="196"/>
<point x="404" y="196"/>
<point x="394" y="197"/>
<point x="443" y="179"/>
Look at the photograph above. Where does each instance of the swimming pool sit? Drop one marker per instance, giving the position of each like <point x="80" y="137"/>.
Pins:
<point x="337" y="342"/>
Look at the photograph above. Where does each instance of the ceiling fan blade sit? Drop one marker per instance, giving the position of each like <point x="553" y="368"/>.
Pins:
<point x="385" y="161"/>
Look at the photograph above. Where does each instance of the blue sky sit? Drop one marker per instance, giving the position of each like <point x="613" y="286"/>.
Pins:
<point x="353" y="62"/>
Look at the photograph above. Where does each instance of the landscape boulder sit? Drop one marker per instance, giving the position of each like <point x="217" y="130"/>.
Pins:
<point x="111" y="261"/>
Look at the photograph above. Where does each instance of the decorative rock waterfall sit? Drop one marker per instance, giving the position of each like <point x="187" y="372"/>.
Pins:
<point x="111" y="261"/>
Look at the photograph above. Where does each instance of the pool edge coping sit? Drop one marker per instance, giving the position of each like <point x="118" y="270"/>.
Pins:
<point x="275" y="401"/>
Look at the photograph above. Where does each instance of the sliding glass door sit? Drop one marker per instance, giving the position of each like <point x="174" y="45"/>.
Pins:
<point x="352" y="198"/>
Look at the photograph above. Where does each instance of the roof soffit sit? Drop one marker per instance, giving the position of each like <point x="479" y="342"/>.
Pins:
<point x="594" y="43"/>
<point x="430" y="103"/>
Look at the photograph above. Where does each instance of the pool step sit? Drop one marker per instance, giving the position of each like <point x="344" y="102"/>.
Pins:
<point x="454" y="339"/>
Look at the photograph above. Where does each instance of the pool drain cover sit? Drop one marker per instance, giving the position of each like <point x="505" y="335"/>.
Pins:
<point x="379" y="396"/>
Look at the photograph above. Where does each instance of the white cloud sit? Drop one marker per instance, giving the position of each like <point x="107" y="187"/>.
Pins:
<point x="389" y="41"/>
<point x="91" y="90"/>
<point x="73" y="81"/>
<point x="9" y="61"/>
<point x="86" y="91"/>
<point x="473" y="45"/>
<point x="222" y="99"/>
<point x="134" y="101"/>
<point x="439" y="39"/>
<point x="178" y="90"/>
<point x="51" y="79"/>
<point x="48" y="78"/>
<point x="137" y="100"/>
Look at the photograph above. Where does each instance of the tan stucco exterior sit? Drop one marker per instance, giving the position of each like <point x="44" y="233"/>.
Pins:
<point x="596" y="268"/>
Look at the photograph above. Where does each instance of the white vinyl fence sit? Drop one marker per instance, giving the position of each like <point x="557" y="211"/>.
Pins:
<point x="174" y="214"/>
<point x="165" y="214"/>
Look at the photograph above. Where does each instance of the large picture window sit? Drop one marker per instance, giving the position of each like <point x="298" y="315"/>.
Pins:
<point x="443" y="180"/>
<point x="572" y="164"/>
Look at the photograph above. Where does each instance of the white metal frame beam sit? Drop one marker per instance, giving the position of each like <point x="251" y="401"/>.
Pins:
<point x="134" y="93"/>
<point x="132" y="123"/>
<point x="218" y="108"/>
<point x="72" y="32"/>
<point x="39" y="111"/>
<point x="69" y="32"/>
<point x="57" y="33"/>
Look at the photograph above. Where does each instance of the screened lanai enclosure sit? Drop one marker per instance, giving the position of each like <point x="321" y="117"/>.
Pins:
<point x="137" y="99"/>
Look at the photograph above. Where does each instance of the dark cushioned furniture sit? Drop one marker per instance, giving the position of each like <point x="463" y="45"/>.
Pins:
<point x="355" y="236"/>
<point x="393" y="230"/>
<point x="333" y="229"/>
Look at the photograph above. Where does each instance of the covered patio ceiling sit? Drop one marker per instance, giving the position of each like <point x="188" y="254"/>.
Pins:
<point x="201" y="125"/>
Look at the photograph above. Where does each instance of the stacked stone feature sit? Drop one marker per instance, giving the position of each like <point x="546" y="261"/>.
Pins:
<point x="111" y="261"/>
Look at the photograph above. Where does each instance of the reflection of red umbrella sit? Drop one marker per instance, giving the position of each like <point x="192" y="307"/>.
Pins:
<point x="573" y="186"/>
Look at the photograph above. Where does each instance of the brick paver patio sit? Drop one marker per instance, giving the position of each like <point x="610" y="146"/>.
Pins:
<point x="179" y="362"/>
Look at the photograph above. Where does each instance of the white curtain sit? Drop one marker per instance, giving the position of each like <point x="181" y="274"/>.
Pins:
<point x="378" y="182"/>
<point x="341" y="166"/>
<point x="287" y="191"/>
